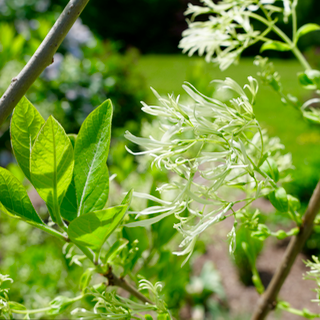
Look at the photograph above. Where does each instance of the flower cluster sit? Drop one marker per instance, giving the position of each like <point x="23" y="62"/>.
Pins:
<point x="212" y="147"/>
<point x="228" y="31"/>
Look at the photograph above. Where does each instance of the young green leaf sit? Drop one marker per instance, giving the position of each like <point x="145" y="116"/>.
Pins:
<point x="15" y="200"/>
<point x="279" y="200"/>
<point x="115" y="249"/>
<point x="309" y="27"/>
<point x="59" y="304"/>
<point x="127" y="199"/>
<point x="86" y="278"/>
<point x="305" y="81"/>
<point x="52" y="165"/>
<point x="275" y="45"/>
<point x="93" y="229"/>
<point x="91" y="153"/>
<point x="26" y="123"/>
<point x="294" y="203"/>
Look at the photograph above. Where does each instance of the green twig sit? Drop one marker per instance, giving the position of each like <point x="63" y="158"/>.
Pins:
<point x="43" y="310"/>
<point x="284" y="37"/>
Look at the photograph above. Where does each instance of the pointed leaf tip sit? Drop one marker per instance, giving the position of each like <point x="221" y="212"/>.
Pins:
<point x="91" y="153"/>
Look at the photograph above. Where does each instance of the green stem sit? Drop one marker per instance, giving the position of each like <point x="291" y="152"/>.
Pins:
<point x="303" y="313"/>
<point x="262" y="173"/>
<point x="42" y="310"/>
<point x="284" y="37"/>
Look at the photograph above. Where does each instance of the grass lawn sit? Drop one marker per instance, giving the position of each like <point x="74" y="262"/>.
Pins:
<point x="166" y="74"/>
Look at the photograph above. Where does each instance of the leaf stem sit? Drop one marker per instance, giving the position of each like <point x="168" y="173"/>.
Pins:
<point x="42" y="58"/>
<point x="42" y="310"/>
<point x="294" y="21"/>
<point x="302" y="313"/>
<point x="53" y="232"/>
<point x="268" y="300"/>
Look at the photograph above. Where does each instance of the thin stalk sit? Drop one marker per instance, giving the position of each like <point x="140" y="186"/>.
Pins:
<point x="53" y="232"/>
<point x="284" y="37"/>
<point x="294" y="22"/>
<point x="301" y="313"/>
<point x="43" y="310"/>
<point x="268" y="300"/>
<point x="42" y="58"/>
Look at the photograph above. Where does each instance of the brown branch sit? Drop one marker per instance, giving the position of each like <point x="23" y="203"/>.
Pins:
<point x="42" y="58"/>
<point x="268" y="300"/>
<point x="113" y="280"/>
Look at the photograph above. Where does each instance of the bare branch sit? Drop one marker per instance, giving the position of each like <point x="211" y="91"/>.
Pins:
<point x="113" y="280"/>
<point x="42" y="58"/>
<point x="268" y="300"/>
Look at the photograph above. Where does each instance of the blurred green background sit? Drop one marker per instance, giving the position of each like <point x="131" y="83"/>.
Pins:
<point x="118" y="50"/>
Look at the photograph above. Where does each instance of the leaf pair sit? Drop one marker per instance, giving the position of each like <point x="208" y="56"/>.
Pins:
<point x="44" y="153"/>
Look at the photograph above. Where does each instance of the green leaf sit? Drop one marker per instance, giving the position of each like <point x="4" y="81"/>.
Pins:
<point x="275" y="45"/>
<point x="305" y="81"/>
<point x="91" y="153"/>
<point x="127" y="199"/>
<point x="86" y="278"/>
<point x="279" y="200"/>
<point x="60" y="304"/>
<point x="69" y="204"/>
<point x="73" y="138"/>
<point x="93" y="229"/>
<point x="115" y="249"/>
<point x="52" y="165"/>
<point x="15" y="200"/>
<point x="16" y="306"/>
<point x="26" y="123"/>
<point x="310" y="79"/>
<point x="69" y="207"/>
<point x="294" y="203"/>
<point x="309" y="27"/>
<point x="271" y="169"/>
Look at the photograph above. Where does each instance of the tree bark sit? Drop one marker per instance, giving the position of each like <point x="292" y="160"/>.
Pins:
<point x="268" y="300"/>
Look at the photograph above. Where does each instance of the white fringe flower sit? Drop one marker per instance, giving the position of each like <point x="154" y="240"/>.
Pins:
<point x="228" y="31"/>
<point x="212" y="147"/>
